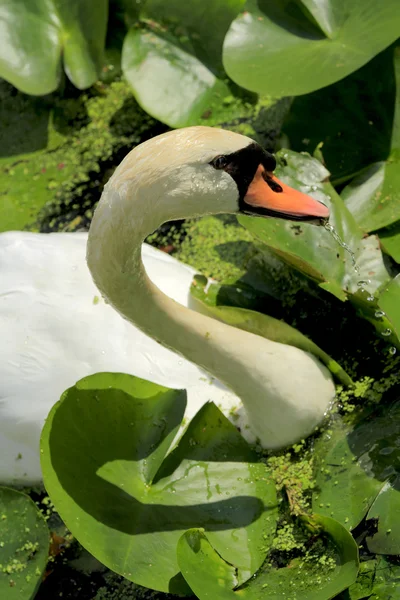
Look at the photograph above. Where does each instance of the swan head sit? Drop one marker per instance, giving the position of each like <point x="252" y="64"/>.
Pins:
<point x="201" y="170"/>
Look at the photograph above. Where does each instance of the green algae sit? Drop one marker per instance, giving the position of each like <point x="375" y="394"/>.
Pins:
<point x="217" y="247"/>
<point x="80" y="135"/>
<point x="24" y="543"/>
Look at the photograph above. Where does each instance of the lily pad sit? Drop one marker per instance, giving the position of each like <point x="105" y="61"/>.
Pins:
<point x="354" y="466"/>
<point x="287" y="48"/>
<point x="373" y="197"/>
<point x="377" y="579"/>
<point x="24" y="546"/>
<point x="261" y="324"/>
<point x="128" y="502"/>
<point x="389" y="301"/>
<point x="37" y="34"/>
<point x="210" y="576"/>
<point x="386" y="509"/>
<point x="168" y="81"/>
<point x="390" y="241"/>
<point x="206" y="23"/>
<point x="353" y="118"/>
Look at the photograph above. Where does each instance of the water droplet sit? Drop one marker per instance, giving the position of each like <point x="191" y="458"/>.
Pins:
<point x="180" y="362"/>
<point x="103" y="351"/>
<point x="314" y="188"/>
<point x="74" y="267"/>
<point x="392" y="350"/>
<point x="342" y="244"/>
<point x="370" y="298"/>
<point x="379" y="314"/>
<point x="387" y="332"/>
<point x="363" y="282"/>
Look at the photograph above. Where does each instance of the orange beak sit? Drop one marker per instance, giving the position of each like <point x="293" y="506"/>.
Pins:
<point x="268" y="196"/>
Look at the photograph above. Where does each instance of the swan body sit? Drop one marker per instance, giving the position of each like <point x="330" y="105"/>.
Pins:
<point x="56" y="332"/>
<point x="56" y="329"/>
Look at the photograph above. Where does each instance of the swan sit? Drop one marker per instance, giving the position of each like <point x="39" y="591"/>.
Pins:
<point x="62" y="321"/>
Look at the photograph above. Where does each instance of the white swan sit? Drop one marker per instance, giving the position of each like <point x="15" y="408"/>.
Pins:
<point x="56" y="329"/>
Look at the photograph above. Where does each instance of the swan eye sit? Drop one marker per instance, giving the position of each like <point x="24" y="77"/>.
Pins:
<point x="220" y="162"/>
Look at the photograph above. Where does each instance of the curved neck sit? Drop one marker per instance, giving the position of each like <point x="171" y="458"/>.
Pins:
<point x="114" y="257"/>
<point x="284" y="390"/>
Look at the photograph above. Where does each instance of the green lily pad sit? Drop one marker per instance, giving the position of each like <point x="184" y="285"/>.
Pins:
<point x="377" y="579"/>
<point x="24" y="546"/>
<point x="354" y="465"/>
<point x="373" y="197"/>
<point x="387" y="580"/>
<point x="285" y="48"/>
<point x="206" y="23"/>
<point x="389" y="302"/>
<point x="312" y="249"/>
<point x="128" y="503"/>
<point x="353" y="118"/>
<point x="168" y="81"/>
<point x="210" y="576"/>
<point x="36" y="34"/>
<point x="362" y="587"/>
<point x="386" y="509"/>
<point x="390" y="241"/>
<point x="261" y="324"/>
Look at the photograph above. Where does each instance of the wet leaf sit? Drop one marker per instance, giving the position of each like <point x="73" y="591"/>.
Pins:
<point x="373" y="197"/>
<point x="353" y="118"/>
<point x="390" y="241"/>
<point x="24" y="546"/>
<point x="354" y="465"/>
<point x="288" y="48"/>
<point x="377" y="579"/>
<point x="362" y="587"/>
<point x="389" y="302"/>
<point x="262" y="324"/>
<point x="128" y="503"/>
<point x="386" y="509"/>
<point x="387" y="580"/>
<point x="210" y="576"/>
<point x="206" y="23"/>
<point x="37" y="34"/>
<point x="168" y="81"/>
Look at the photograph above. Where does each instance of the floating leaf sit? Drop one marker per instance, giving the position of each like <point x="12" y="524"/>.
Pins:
<point x="373" y="197"/>
<point x="128" y="503"/>
<point x="284" y="48"/>
<point x="389" y="302"/>
<point x="24" y="546"/>
<point x="386" y="509"/>
<point x="353" y="118"/>
<point x="390" y="241"/>
<point x="354" y="465"/>
<point x="168" y="81"/>
<point x="206" y="23"/>
<point x="210" y="576"/>
<point x="262" y="324"/>
<point x="377" y="579"/>
<point x="36" y="34"/>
